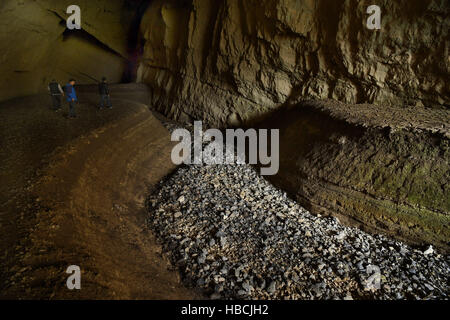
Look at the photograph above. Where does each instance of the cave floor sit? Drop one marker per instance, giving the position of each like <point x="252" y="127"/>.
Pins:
<point x="72" y="193"/>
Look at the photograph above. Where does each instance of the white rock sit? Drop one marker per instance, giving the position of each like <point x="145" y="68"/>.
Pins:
<point x="348" y="296"/>
<point x="341" y="235"/>
<point x="430" y="250"/>
<point x="178" y="214"/>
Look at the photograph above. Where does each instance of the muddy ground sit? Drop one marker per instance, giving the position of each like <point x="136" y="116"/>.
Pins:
<point x="72" y="193"/>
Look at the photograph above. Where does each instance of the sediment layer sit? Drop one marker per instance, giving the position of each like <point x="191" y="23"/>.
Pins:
<point x="384" y="176"/>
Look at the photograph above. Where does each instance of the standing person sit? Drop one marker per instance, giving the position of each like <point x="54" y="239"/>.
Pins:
<point x="103" y="89"/>
<point x="71" y="97"/>
<point x="56" y="92"/>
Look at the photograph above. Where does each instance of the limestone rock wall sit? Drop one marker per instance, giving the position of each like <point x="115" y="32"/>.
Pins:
<point x="35" y="46"/>
<point x="229" y="61"/>
<point x="388" y="175"/>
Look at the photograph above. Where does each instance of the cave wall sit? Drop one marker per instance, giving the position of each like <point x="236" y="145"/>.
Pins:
<point x="389" y="175"/>
<point x="35" y="46"/>
<point x="229" y="61"/>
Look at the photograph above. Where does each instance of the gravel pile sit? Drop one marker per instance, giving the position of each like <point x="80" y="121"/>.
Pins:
<point x="234" y="235"/>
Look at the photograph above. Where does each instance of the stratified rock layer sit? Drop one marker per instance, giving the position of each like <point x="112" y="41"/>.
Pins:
<point x="231" y="60"/>
<point x="385" y="173"/>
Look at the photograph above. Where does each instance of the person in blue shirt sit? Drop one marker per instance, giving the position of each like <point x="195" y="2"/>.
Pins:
<point x="71" y="97"/>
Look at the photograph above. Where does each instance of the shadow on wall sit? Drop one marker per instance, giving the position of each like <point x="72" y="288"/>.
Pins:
<point x="83" y="36"/>
<point x="36" y="47"/>
<point x="135" y="42"/>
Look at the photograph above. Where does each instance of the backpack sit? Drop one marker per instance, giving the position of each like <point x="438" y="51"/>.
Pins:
<point x="54" y="88"/>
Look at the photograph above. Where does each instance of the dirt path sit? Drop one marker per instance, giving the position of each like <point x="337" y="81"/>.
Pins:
<point x="73" y="192"/>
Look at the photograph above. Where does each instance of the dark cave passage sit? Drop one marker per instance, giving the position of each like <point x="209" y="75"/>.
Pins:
<point x="135" y="42"/>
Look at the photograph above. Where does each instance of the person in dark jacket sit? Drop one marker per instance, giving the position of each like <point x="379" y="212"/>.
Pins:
<point x="56" y="92"/>
<point x="103" y="89"/>
<point x="71" y="97"/>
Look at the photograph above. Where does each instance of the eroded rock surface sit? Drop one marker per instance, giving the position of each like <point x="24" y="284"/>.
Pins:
<point x="381" y="168"/>
<point x="231" y="60"/>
